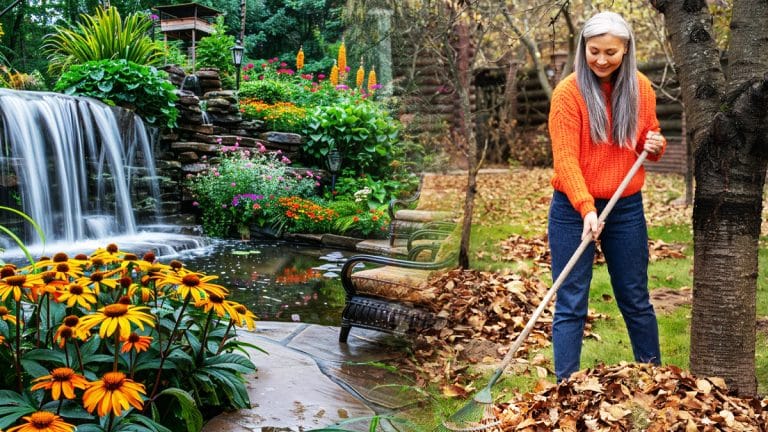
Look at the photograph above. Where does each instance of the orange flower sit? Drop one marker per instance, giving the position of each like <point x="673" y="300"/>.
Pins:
<point x="360" y="75"/>
<point x="61" y="380"/>
<point x="136" y="342"/>
<point x="342" y="59"/>
<point x="300" y="59"/>
<point x="43" y="421"/>
<point x="334" y="78"/>
<point x="113" y="392"/>
<point x="372" y="80"/>
<point x="15" y="285"/>
<point x="117" y="317"/>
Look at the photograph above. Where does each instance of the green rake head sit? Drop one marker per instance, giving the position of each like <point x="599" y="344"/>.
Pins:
<point x="476" y="416"/>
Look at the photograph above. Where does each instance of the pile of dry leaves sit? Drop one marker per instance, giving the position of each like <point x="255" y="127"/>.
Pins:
<point x="482" y="314"/>
<point x="633" y="397"/>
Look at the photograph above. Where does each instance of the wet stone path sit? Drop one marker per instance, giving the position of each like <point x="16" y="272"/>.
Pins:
<point x="308" y="380"/>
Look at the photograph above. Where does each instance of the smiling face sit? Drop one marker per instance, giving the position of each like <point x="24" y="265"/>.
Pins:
<point x="604" y="55"/>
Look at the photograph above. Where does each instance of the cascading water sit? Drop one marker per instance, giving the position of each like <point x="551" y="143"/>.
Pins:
<point x="73" y="165"/>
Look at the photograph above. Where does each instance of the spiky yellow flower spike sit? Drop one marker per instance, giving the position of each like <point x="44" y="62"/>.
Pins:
<point x="372" y="80"/>
<point x="342" y="60"/>
<point x="360" y="75"/>
<point x="334" y="75"/>
<point x="300" y="59"/>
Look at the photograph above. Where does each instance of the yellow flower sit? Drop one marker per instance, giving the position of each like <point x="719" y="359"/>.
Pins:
<point x="117" y="317"/>
<point x="113" y="392"/>
<point x="106" y="256"/>
<point x="97" y="280"/>
<point x="360" y="75"/>
<point x="61" y="380"/>
<point x="70" y="329"/>
<point x="6" y="315"/>
<point x="65" y="271"/>
<point x="137" y="342"/>
<point x="142" y="289"/>
<point x="243" y="315"/>
<point x="300" y="59"/>
<point x="371" y="80"/>
<point x="43" y="421"/>
<point x="15" y="284"/>
<point x="334" y="78"/>
<point x="193" y="284"/>
<point x="342" y="59"/>
<point x="77" y="294"/>
<point x="218" y="305"/>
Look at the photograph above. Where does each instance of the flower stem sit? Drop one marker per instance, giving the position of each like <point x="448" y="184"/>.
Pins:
<point x="79" y="357"/>
<point x="225" y="337"/>
<point x="18" y="346"/>
<point x="204" y="340"/>
<point x="117" y="349"/>
<point x="164" y="353"/>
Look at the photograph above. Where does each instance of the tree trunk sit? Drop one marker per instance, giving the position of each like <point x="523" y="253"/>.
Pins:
<point x="725" y="123"/>
<point x="242" y="21"/>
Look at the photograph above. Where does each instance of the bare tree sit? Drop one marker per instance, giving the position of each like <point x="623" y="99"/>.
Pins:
<point x="725" y="112"/>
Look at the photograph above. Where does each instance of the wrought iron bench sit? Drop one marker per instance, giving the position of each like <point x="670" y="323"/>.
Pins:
<point x="388" y="297"/>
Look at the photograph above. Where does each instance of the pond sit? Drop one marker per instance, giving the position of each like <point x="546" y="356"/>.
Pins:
<point x="277" y="280"/>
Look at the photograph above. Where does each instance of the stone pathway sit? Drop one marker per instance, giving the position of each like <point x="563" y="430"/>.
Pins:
<point x="309" y="380"/>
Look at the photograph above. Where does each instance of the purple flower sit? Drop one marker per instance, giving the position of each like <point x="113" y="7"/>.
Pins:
<point x="375" y="86"/>
<point x="342" y="87"/>
<point x="154" y="17"/>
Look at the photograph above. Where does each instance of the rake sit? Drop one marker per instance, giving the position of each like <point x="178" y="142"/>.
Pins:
<point x="477" y="415"/>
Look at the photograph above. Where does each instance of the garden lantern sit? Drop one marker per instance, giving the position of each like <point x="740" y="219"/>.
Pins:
<point x="237" y="60"/>
<point x="334" y="164"/>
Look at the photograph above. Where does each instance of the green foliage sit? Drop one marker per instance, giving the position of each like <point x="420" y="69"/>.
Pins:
<point x="126" y="84"/>
<point x="244" y="188"/>
<point x="380" y="190"/>
<point x="172" y="54"/>
<point x="268" y="91"/>
<point x="214" y="50"/>
<point x="364" y="133"/>
<point x="102" y="36"/>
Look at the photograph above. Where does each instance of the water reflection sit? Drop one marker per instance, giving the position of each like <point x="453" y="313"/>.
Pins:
<point x="278" y="281"/>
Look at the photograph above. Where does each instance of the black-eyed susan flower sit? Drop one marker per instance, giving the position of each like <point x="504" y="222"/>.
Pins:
<point x="6" y="315"/>
<point x="66" y="271"/>
<point x="243" y="316"/>
<point x="117" y="317"/>
<point x="16" y="284"/>
<point x="217" y="304"/>
<point x="142" y="289"/>
<point x="43" y="421"/>
<point x="62" y="380"/>
<point x="136" y="342"/>
<point x="70" y="329"/>
<point x="113" y="392"/>
<point x="98" y="279"/>
<point x="75" y="294"/>
<point x="106" y="256"/>
<point x="192" y="284"/>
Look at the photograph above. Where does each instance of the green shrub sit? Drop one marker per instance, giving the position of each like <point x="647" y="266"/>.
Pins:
<point x="380" y="190"/>
<point x="355" y="218"/>
<point x="103" y="36"/>
<point x="214" y="50"/>
<point x="244" y="189"/>
<point x="363" y="132"/>
<point x="268" y="91"/>
<point x="126" y="84"/>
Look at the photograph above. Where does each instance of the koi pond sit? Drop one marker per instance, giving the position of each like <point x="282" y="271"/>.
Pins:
<point x="278" y="281"/>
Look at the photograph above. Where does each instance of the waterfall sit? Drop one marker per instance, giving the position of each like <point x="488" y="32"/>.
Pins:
<point x="71" y="162"/>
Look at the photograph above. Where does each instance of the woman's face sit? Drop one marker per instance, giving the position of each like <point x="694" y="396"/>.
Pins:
<point x="604" y="55"/>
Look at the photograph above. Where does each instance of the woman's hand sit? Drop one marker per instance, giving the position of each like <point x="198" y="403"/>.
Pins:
<point x="654" y="142"/>
<point x="591" y="226"/>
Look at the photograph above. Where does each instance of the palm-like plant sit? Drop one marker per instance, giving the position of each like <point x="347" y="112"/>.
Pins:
<point x="103" y="36"/>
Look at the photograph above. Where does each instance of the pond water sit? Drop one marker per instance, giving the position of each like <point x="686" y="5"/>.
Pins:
<point x="278" y="281"/>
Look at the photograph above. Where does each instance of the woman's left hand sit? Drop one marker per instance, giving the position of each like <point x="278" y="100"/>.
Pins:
<point x="654" y="142"/>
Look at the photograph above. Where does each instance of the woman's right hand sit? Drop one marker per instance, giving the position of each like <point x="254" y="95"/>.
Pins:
<point x="592" y="227"/>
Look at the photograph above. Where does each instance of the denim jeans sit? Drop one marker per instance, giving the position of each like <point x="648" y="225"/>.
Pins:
<point x="624" y="241"/>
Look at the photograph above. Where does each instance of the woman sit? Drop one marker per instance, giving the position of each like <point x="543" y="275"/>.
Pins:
<point x="602" y="116"/>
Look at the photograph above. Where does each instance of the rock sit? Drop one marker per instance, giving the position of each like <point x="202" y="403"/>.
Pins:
<point x="282" y="137"/>
<point x="194" y="168"/>
<point x="187" y="157"/>
<point x="218" y="102"/>
<point x="208" y="73"/>
<point x="194" y="146"/>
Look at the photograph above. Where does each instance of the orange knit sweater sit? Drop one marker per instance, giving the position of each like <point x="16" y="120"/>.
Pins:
<point x="585" y="170"/>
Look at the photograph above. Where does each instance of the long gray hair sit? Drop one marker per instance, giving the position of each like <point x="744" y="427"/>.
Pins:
<point x="624" y="100"/>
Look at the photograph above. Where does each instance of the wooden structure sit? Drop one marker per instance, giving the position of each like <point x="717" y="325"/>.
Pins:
<point x="187" y="21"/>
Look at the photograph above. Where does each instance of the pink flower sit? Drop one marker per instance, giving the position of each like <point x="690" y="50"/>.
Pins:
<point x="223" y="206"/>
<point x="216" y="174"/>
<point x="195" y="203"/>
<point x="317" y="183"/>
<point x="263" y="65"/>
<point x="250" y="66"/>
<point x="321" y="76"/>
<point x="233" y="184"/>
<point x="285" y="160"/>
<point x="283" y="64"/>
<point x="342" y="87"/>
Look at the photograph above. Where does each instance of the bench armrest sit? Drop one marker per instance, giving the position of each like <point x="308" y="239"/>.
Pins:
<point x="352" y="262"/>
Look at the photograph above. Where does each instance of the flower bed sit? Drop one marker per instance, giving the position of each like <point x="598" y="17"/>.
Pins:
<point x="110" y="341"/>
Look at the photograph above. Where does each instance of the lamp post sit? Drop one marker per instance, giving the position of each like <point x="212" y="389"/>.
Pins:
<point x="237" y="60"/>
<point x="334" y="164"/>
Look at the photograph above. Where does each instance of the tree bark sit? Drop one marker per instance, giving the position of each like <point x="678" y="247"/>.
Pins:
<point x="725" y="120"/>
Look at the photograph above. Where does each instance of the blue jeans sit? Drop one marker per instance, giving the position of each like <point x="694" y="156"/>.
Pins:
<point x="624" y="242"/>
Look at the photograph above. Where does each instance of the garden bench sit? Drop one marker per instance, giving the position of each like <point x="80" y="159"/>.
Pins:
<point x="389" y="297"/>
<point x="411" y="214"/>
